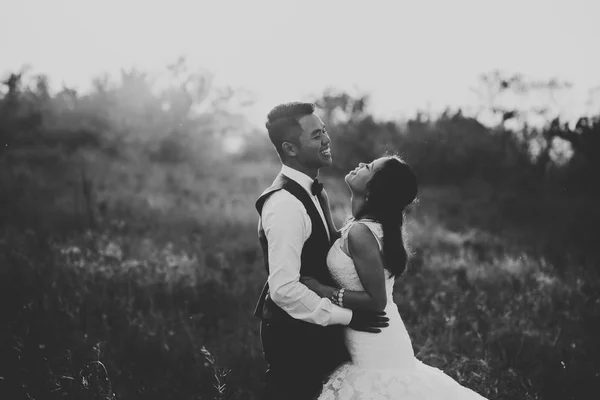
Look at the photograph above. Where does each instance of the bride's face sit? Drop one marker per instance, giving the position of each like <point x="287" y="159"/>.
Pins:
<point x="358" y="178"/>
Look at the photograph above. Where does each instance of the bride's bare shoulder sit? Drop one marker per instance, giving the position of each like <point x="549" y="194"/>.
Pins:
<point x="362" y="238"/>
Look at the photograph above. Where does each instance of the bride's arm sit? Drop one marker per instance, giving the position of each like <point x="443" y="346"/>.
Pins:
<point x="364" y="250"/>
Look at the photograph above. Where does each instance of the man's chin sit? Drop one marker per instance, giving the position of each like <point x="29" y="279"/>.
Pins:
<point x="326" y="162"/>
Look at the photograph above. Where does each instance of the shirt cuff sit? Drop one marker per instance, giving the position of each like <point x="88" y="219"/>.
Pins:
<point x="340" y="316"/>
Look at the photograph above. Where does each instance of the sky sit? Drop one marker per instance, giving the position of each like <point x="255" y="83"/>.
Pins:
<point x="407" y="55"/>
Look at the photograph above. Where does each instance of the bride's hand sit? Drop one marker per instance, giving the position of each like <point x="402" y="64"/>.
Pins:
<point x="313" y="285"/>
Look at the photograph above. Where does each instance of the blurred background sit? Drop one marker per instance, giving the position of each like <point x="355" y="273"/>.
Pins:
<point x="133" y="148"/>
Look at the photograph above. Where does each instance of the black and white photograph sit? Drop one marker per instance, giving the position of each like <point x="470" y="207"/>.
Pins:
<point x="299" y="200"/>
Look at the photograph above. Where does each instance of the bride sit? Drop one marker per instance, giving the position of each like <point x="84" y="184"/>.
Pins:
<point x="364" y="261"/>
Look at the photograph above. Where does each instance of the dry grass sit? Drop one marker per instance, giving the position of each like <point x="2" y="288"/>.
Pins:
<point x="156" y="303"/>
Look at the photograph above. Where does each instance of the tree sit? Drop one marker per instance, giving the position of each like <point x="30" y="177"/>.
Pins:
<point x="584" y="166"/>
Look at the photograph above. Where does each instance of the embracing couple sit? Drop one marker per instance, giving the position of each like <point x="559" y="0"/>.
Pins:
<point x="329" y="325"/>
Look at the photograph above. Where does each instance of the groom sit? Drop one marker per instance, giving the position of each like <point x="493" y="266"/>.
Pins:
<point x="301" y="333"/>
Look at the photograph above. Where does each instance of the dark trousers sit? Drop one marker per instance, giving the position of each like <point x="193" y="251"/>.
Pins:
<point x="299" y="358"/>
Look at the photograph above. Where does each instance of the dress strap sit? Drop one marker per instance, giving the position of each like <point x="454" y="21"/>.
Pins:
<point x="374" y="227"/>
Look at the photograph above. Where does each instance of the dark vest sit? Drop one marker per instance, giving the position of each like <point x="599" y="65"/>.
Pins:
<point x="314" y="252"/>
<point x="317" y="348"/>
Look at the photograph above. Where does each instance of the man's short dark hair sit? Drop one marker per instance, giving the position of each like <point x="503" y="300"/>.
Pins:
<point x="282" y="123"/>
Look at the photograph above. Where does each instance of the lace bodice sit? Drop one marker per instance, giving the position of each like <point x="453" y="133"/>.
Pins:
<point x="342" y="267"/>
<point x="391" y="347"/>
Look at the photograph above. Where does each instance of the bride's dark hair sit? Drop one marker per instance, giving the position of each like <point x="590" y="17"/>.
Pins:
<point x="390" y="190"/>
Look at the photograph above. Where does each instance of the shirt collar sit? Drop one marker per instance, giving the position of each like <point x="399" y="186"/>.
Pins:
<point x="300" y="177"/>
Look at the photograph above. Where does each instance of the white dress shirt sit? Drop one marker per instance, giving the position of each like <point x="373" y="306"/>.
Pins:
<point x="287" y="226"/>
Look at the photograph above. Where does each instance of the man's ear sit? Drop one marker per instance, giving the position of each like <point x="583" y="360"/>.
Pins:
<point x="288" y="149"/>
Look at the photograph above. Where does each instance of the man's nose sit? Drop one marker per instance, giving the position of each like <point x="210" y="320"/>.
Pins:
<point x="361" y="164"/>
<point x="326" y="139"/>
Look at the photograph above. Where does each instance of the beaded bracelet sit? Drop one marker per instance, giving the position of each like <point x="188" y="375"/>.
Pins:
<point x="338" y="297"/>
<point x="341" y="297"/>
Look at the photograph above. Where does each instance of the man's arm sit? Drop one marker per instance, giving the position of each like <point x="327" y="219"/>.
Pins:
<point x="286" y="228"/>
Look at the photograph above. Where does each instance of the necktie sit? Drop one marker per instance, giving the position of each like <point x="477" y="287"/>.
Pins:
<point x="316" y="187"/>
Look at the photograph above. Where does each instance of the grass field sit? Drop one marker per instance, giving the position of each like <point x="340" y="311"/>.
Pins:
<point x="156" y="303"/>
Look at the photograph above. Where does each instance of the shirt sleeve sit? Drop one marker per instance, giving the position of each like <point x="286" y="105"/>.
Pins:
<point x="287" y="227"/>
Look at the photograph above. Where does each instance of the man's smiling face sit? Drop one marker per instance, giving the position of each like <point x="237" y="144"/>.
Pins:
<point x="315" y="150"/>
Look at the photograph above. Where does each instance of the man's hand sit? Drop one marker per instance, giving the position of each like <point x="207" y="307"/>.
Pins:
<point x="368" y="321"/>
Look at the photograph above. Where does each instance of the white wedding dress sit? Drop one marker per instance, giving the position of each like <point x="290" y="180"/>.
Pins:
<point x="383" y="365"/>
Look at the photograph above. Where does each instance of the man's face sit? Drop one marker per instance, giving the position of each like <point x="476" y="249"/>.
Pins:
<point x="314" y="150"/>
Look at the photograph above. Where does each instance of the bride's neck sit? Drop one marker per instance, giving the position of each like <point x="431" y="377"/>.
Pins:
<point x="357" y="202"/>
